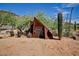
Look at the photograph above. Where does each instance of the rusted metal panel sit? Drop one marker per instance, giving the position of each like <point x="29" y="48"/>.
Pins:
<point x="38" y="29"/>
<point x="45" y="30"/>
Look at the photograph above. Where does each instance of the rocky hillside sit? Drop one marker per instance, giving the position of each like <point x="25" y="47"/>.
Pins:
<point x="4" y="12"/>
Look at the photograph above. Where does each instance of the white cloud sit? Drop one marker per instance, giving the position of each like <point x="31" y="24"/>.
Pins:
<point x="66" y="12"/>
<point x="65" y="6"/>
<point x="57" y="9"/>
<point x="73" y="20"/>
<point x="69" y="5"/>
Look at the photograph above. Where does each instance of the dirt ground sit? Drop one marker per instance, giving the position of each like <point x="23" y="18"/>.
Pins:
<point x="11" y="46"/>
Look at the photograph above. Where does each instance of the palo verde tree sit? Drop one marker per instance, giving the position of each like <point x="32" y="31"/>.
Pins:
<point x="60" y="25"/>
<point x="23" y="21"/>
<point x="47" y="20"/>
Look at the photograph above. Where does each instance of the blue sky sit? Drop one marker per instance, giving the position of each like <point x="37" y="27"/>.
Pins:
<point x="50" y="9"/>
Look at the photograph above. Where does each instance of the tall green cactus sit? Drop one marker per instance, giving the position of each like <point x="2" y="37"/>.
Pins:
<point x="75" y="26"/>
<point x="60" y="25"/>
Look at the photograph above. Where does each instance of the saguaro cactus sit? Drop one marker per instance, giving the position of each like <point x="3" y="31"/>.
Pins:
<point x="60" y="25"/>
<point x="75" y="26"/>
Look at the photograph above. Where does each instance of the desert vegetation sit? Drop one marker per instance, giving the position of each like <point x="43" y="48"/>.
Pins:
<point x="14" y="39"/>
<point x="11" y="21"/>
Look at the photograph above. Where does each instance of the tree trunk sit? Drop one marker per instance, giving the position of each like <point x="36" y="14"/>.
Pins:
<point x="11" y="33"/>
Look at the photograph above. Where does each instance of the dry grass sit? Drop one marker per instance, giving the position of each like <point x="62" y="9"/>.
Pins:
<point x="35" y="46"/>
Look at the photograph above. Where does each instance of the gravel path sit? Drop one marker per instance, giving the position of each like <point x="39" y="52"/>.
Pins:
<point x="38" y="47"/>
